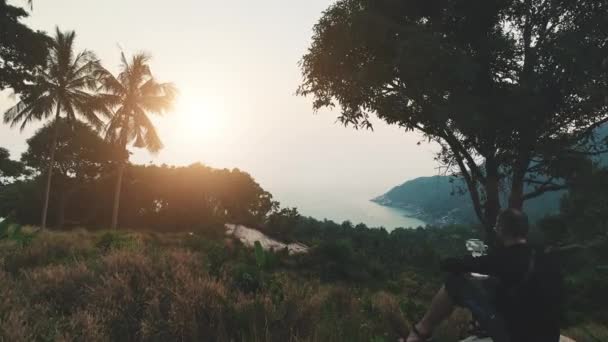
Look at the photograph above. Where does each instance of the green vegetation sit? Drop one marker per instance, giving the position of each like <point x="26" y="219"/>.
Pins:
<point x="146" y="286"/>
<point x="9" y="169"/>
<point x="442" y="200"/>
<point x="357" y="284"/>
<point x="22" y="50"/>
<point x="156" y="198"/>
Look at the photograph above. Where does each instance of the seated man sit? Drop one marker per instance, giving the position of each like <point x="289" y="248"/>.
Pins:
<point x="521" y="300"/>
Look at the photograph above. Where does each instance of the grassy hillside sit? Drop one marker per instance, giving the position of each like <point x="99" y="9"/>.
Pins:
<point x="110" y="286"/>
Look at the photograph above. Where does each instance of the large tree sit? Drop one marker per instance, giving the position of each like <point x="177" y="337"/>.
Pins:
<point x="61" y="87"/>
<point x="132" y="95"/>
<point x="80" y="160"/>
<point x="22" y="50"/>
<point x="510" y="89"/>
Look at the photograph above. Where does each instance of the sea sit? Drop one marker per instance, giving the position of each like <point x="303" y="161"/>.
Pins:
<point x="346" y="204"/>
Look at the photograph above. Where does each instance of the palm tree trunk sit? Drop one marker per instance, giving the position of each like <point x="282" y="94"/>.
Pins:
<point x="117" y="190"/>
<point x="121" y="169"/>
<point x="49" y="175"/>
<point x="61" y="205"/>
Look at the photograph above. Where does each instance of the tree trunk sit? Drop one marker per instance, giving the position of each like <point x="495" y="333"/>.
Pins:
<point x="516" y="198"/>
<point x="117" y="190"/>
<point x="49" y="176"/>
<point x="492" y="204"/>
<point x="61" y="205"/>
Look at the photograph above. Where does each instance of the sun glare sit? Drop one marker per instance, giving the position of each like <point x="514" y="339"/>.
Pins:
<point x="199" y="120"/>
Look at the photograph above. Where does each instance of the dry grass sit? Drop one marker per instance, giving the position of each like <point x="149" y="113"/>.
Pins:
<point x="100" y="286"/>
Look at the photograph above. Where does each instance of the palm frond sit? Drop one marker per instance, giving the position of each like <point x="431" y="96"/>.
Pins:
<point x="42" y="108"/>
<point x="63" y="51"/>
<point x="89" y="107"/>
<point x="136" y="92"/>
<point x="158" y="98"/>
<point x="114" y="125"/>
<point x="152" y="141"/>
<point x="68" y="109"/>
<point x="16" y="113"/>
<point x="109" y="83"/>
<point x="83" y="60"/>
<point x="27" y="111"/>
<point x="64" y="81"/>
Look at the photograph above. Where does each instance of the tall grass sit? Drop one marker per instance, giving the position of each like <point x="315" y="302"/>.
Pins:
<point x="142" y="287"/>
<point x="109" y="286"/>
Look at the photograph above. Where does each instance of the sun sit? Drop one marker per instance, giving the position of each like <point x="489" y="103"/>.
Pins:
<point x="199" y="120"/>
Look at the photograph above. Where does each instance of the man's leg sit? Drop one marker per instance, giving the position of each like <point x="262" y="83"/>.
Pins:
<point x="479" y="297"/>
<point x="440" y="309"/>
<point x="460" y="291"/>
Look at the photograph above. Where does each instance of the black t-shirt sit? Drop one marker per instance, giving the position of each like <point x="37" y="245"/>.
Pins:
<point x="531" y="307"/>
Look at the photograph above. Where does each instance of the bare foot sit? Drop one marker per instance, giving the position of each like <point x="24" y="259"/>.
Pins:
<point x="421" y="336"/>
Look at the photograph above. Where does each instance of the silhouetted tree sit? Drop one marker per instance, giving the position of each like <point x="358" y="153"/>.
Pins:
<point x="9" y="169"/>
<point x="502" y="85"/>
<point x="132" y="95"/>
<point x="80" y="159"/>
<point x="61" y="87"/>
<point x="282" y="222"/>
<point x="22" y="50"/>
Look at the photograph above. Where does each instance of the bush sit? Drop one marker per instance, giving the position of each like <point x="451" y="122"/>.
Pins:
<point x="115" y="240"/>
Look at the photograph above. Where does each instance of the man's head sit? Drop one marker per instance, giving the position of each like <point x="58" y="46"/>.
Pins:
<point x="512" y="226"/>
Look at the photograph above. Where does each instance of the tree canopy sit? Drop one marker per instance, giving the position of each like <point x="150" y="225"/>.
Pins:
<point x="22" y="50"/>
<point x="8" y="168"/>
<point x="81" y="157"/>
<point x="508" y="88"/>
<point x="161" y="198"/>
<point x="81" y="153"/>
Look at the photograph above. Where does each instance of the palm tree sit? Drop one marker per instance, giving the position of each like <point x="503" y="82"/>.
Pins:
<point x="61" y="87"/>
<point x="132" y="95"/>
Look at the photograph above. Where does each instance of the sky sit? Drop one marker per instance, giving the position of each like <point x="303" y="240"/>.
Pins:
<point x="235" y="64"/>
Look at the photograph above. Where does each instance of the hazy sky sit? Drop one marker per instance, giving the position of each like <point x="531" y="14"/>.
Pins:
<point x="235" y="63"/>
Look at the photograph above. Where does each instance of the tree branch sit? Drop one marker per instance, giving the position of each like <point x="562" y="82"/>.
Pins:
<point x="590" y="129"/>
<point x="457" y="147"/>
<point x="586" y="153"/>
<point x="527" y="41"/>
<point x="544" y="183"/>
<point x="577" y="246"/>
<point x="542" y="189"/>
<point x="472" y="187"/>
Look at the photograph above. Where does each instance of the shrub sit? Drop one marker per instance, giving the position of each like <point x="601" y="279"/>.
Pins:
<point x="114" y="240"/>
<point x="48" y="248"/>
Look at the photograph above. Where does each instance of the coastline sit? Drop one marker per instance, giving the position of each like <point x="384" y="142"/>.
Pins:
<point x="418" y="212"/>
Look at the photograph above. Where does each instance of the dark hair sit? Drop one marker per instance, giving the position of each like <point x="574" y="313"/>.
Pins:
<point x="513" y="223"/>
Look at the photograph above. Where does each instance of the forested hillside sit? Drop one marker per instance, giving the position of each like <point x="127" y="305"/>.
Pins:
<point x="443" y="200"/>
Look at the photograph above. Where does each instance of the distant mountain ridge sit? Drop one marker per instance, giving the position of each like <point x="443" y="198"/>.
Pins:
<point x="436" y="201"/>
